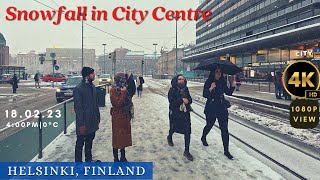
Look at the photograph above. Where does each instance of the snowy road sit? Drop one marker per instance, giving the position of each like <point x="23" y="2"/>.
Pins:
<point x="149" y="129"/>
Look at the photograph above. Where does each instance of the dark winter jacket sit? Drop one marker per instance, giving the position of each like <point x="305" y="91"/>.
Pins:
<point x="176" y="94"/>
<point x="14" y="82"/>
<point x="215" y="98"/>
<point x="238" y="79"/>
<point x="277" y="79"/>
<point x="36" y="77"/>
<point x="131" y="86"/>
<point x="139" y="88"/>
<point x="86" y="107"/>
<point x="181" y="120"/>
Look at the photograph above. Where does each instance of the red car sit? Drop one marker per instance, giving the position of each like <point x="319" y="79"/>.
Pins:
<point x="54" y="78"/>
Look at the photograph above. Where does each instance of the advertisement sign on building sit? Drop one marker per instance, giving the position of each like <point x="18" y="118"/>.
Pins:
<point x="316" y="52"/>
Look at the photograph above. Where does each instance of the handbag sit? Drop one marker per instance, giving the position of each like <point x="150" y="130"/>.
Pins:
<point x="227" y="103"/>
<point x="111" y="109"/>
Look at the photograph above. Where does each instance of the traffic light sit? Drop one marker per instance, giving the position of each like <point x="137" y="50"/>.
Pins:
<point x="142" y="61"/>
<point x="52" y="55"/>
<point x="41" y="59"/>
<point x="54" y="62"/>
<point x="110" y="55"/>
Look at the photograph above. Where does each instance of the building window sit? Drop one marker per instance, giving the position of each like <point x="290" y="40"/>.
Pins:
<point x="267" y="2"/>
<point x="261" y="5"/>
<point x="281" y="12"/>
<point x="239" y="61"/>
<point x="274" y="55"/>
<point x="256" y="22"/>
<point x="306" y="2"/>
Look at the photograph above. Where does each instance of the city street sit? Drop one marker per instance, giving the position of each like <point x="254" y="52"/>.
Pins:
<point x="197" y="90"/>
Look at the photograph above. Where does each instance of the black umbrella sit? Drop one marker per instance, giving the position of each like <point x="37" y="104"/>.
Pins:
<point x="226" y="66"/>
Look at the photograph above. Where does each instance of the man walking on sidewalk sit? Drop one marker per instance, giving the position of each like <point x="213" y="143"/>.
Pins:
<point x="278" y="84"/>
<point x="36" y="80"/>
<point x="14" y="81"/>
<point x="87" y="115"/>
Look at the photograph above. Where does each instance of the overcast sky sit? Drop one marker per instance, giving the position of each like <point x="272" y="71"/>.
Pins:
<point x="22" y="36"/>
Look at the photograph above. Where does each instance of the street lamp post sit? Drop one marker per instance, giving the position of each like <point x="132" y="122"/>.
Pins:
<point x="82" y="40"/>
<point x="155" y="51"/>
<point x="177" y="47"/>
<point x="73" y="66"/>
<point x="104" y="58"/>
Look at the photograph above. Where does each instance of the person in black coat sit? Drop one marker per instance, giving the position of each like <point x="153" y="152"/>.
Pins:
<point x="140" y="82"/>
<point x="87" y="114"/>
<point x="131" y="85"/>
<point x="14" y="84"/>
<point x="216" y="107"/>
<point x="179" y="112"/>
<point x="238" y="82"/>
<point x="36" y="80"/>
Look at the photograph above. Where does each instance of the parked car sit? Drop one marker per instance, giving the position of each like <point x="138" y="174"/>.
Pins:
<point x="54" y="78"/>
<point x="5" y="78"/>
<point x="66" y="89"/>
<point x="105" y="79"/>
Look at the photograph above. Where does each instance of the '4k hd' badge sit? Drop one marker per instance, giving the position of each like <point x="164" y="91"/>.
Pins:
<point x="301" y="77"/>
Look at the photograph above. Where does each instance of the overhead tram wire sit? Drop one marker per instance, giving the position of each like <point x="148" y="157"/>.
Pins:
<point x="100" y="29"/>
<point x="55" y="3"/>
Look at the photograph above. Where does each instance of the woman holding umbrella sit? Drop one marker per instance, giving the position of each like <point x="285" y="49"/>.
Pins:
<point x="216" y="106"/>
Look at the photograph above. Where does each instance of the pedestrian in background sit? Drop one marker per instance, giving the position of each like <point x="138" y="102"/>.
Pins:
<point x="87" y="115"/>
<point x="131" y="85"/>
<point x="278" y="85"/>
<point x="121" y="118"/>
<point x="14" y="82"/>
<point x="179" y="112"/>
<point x="217" y="106"/>
<point x="36" y="80"/>
<point x="140" y="82"/>
<point x="238" y="82"/>
<point x="286" y="95"/>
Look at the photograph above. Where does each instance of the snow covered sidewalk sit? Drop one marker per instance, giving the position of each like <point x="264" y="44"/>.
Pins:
<point x="149" y="131"/>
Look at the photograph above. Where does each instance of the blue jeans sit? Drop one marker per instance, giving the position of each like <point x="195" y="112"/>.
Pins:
<point x="278" y="91"/>
<point x="139" y="93"/>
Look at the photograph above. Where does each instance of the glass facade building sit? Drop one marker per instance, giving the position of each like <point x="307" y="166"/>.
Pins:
<point x="261" y="36"/>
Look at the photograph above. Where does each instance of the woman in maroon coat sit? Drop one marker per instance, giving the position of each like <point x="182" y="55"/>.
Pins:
<point x="121" y="126"/>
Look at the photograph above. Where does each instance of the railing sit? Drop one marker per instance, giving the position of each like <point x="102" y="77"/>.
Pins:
<point x="41" y="123"/>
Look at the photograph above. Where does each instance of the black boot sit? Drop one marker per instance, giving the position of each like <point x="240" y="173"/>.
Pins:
<point x="169" y="139"/>
<point x="188" y="155"/>
<point x="123" y="155"/>
<point x="115" y="155"/>
<point x="204" y="141"/>
<point x="227" y="153"/>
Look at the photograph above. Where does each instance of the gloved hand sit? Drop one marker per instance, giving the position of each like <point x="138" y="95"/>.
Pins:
<point x="83" y="129"/>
